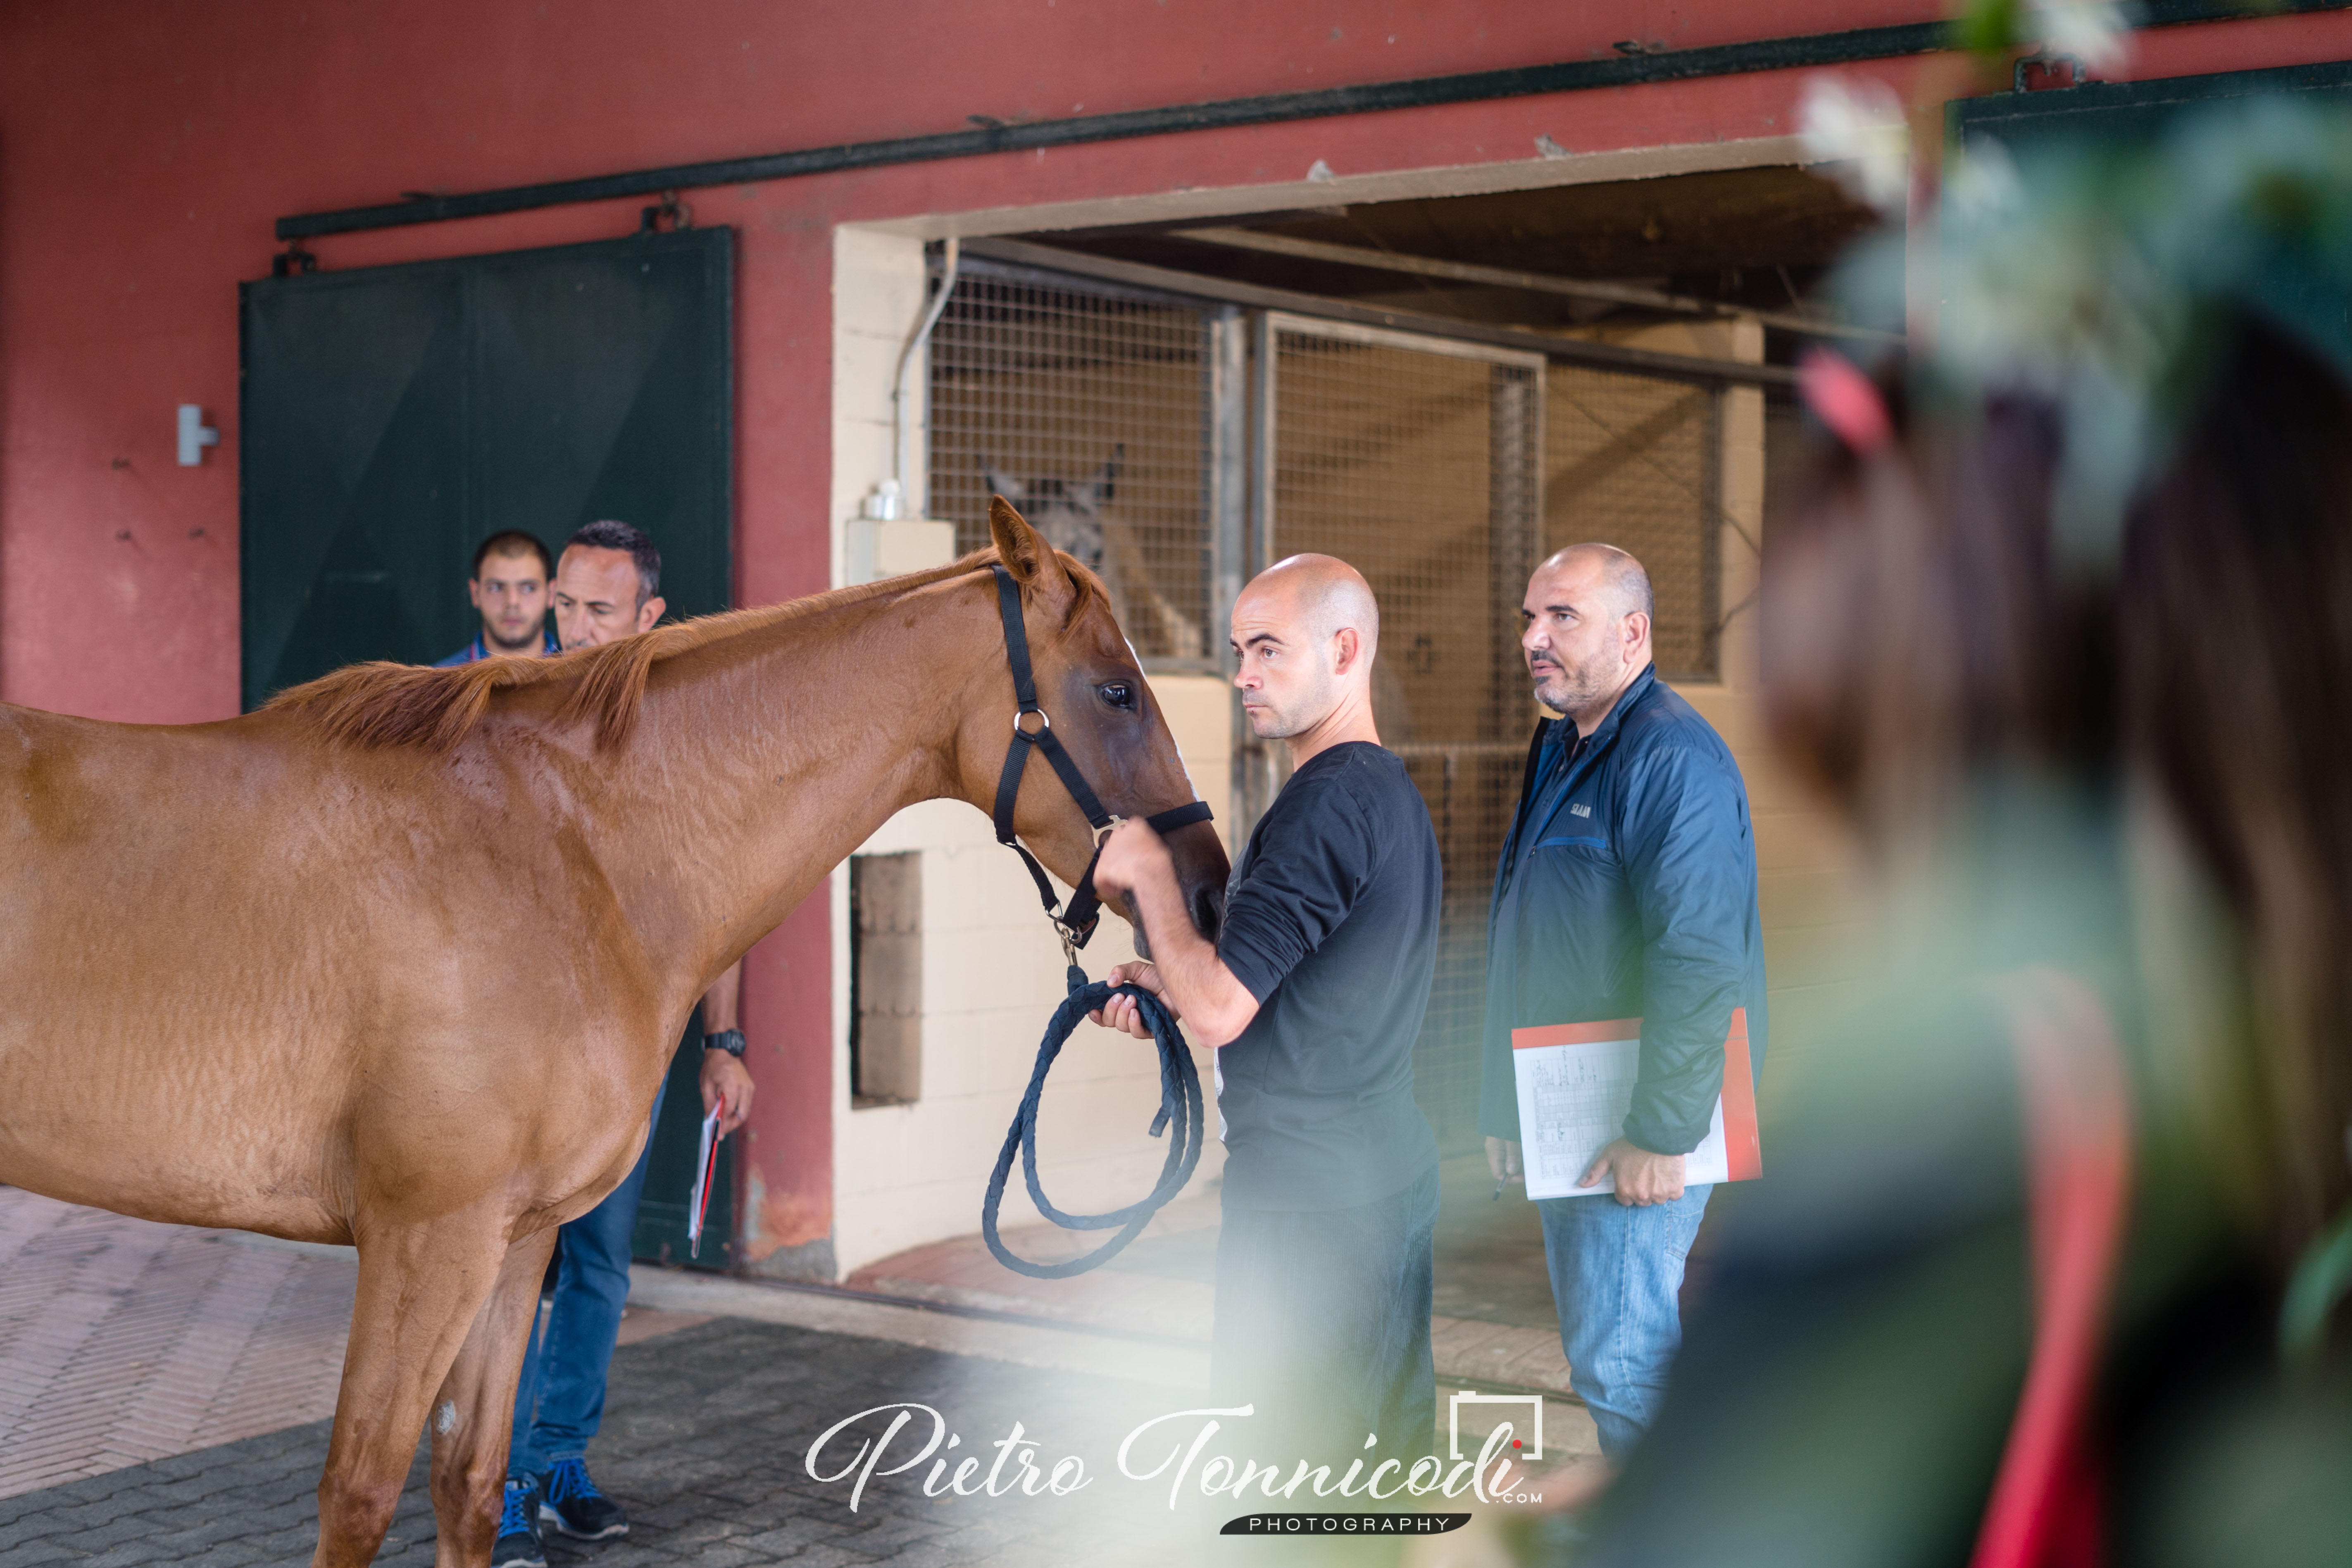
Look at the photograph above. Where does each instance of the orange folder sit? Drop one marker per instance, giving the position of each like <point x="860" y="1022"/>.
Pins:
<point x="1575" y="1083"/>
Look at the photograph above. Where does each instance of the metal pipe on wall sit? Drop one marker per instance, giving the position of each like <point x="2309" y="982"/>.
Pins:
<point x="1636" y="65"/>
<point x="901" y="431"/>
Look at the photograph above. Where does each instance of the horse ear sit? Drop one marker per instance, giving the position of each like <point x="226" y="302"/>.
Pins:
<point x="1096" y="492"/>
<point x="1024" y="551"/>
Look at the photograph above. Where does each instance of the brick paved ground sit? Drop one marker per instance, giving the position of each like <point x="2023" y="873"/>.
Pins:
<point x="703" y="1441"/>
<point x="123" y="1341"/>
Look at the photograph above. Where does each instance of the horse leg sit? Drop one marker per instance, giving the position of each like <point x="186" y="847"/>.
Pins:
<point x="473" y="1416"/>
<point x="420" y="1289"/>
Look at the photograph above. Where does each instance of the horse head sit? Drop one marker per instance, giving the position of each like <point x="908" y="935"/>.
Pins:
<point x="1104" y="713"/>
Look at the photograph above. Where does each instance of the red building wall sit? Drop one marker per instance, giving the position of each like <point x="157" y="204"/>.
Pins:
<point x="147" y="145"/>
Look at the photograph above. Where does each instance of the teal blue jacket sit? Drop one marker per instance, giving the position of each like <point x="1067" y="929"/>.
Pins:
<point x="1627" y="889"/>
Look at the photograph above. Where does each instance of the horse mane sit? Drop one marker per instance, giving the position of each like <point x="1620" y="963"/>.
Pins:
<point x="380" y="704"/>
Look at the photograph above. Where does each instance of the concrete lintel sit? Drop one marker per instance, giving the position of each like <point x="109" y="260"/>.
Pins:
<point x="1390" y="186"/>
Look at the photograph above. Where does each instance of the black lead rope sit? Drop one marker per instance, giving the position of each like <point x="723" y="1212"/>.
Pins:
<point x="1180" y="1081"/>
<point x="1179" y="1107"/>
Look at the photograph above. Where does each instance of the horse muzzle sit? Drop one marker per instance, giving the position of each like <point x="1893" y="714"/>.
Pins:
<point x="1206" y="906"/>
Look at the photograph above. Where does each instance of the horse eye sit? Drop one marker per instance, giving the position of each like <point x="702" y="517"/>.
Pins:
<point x="1117" y="693"/>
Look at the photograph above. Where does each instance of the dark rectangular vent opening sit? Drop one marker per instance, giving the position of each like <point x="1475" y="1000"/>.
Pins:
<point x="886" y="979"/>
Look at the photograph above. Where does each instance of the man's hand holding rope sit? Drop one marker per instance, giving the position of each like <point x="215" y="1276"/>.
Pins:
<point x="1189" y="977"/>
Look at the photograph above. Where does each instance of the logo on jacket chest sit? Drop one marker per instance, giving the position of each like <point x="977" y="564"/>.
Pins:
<point x="1580" y="810"/>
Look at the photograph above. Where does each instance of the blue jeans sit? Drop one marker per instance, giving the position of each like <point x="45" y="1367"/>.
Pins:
<point x="559" y="1402"/>
<point x="1322" y="1322"/>
<point x="1616" y="1271"/>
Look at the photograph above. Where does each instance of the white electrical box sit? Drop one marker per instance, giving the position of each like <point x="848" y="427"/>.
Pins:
<point x="897" y="547"/>
<point x="195" y="435"/>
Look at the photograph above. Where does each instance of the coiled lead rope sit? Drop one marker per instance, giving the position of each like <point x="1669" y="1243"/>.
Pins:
<point x="1179" y="1108"/>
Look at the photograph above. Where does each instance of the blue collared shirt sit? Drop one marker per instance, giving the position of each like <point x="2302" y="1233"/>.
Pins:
<point x="478" y="650"/>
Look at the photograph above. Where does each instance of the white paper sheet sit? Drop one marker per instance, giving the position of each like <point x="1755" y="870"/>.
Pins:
<point x="1573" y="1104"/>
<point x="699" y="1199"/>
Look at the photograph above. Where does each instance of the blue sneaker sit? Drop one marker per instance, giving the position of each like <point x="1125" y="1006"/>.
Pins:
<point x="569" y="1501"/>
<point x="517" y="1544"/>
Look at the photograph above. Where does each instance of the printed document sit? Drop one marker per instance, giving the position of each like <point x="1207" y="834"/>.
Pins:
<point x="1576" y="1084"/>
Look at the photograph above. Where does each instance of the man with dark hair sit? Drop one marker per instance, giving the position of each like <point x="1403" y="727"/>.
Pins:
<point x="508" y="590"/>
<point x="1311" y="996"/>
<point x="606" y="589"/>
<point x="608" y="584"/>
<point x="1626" y="889"/>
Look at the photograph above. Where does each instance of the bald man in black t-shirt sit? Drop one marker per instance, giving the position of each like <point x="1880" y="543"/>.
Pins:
<point x="1312" y="996"/>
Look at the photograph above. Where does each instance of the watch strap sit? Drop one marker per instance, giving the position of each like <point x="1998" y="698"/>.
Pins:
<point x="732" y="1041"/>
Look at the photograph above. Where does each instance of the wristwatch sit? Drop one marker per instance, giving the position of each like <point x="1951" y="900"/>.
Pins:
<point x="728" y="1040"/>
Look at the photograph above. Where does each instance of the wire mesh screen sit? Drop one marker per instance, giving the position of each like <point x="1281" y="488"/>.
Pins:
<point x="1443" y="471"/>
<point x="1088" y="410"/>
<point x="1634" y="462"/>
<point x="1419" y="469"/>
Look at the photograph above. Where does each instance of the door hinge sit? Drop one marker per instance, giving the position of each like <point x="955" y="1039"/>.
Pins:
<point x="676" y="214"/>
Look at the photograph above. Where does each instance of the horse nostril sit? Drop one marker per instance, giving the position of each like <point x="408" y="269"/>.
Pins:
<point x="1209" y="911"/>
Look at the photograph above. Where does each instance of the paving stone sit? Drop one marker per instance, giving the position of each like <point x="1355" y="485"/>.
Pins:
<point x="935" y="1553"/>
<point x="131" y="1553"/>
<point x="792" y="1536"/>
<point x="199" y="1533"/>
<point x="113" y="1533"/>
<point x="885" y="1535"/>
<point x="17" y="1530"/>
<point x="248" y="1555"/>
<point x="723" y="1554"/>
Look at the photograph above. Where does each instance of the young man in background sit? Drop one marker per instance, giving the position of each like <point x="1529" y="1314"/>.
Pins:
<point x="508" y="590"/>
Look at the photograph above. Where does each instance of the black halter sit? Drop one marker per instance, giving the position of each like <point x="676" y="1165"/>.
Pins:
<point x="1075" y="920"/>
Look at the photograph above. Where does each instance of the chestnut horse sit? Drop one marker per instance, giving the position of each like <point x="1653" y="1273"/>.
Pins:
<point x="400" y="960"/>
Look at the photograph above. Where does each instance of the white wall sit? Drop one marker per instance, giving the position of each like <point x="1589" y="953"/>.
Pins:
<point x="992" y="968"/>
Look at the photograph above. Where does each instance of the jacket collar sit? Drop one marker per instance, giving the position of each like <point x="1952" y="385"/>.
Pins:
<point x="1601" y="740"/>
<point x="1627" y="700"/>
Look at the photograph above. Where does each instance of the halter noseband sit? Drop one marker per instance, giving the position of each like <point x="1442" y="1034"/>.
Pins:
<point x="1075" y="920"/>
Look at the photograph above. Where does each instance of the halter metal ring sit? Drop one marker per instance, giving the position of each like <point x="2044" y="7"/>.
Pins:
<point x="1107" y="829"/>
<point x="1044" y="722"/>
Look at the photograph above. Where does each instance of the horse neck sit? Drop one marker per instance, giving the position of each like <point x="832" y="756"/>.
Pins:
<point x="763" y="759"/>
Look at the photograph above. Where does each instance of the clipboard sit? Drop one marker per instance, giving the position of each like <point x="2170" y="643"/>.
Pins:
<point x="1576" y="1083"/>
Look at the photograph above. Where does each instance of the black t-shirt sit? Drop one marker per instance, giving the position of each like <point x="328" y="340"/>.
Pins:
<point x="1331" y="922"/>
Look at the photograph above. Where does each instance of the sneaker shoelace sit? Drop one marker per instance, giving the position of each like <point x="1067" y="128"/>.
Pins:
<point x="567" y="1481"/>
<point x="518" y="1517"/>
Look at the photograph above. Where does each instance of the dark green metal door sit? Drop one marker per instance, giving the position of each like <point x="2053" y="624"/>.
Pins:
<point x="2125" y="111"/>
<point x="2132" y="115"/>
<point x="392" y="417"/>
